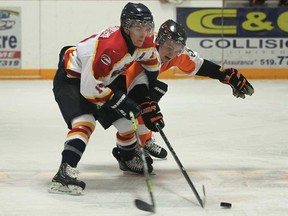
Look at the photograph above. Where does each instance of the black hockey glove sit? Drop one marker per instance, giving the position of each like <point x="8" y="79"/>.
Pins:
<point x="123" y="105"/>
<point x="150" y="112"/>
<point x="238" y="82"/>
<point x="158" y="90"/>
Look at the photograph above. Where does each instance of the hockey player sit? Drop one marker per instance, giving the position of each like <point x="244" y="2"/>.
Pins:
<point x="171" y="46"/>
<point x="82" y="86"/>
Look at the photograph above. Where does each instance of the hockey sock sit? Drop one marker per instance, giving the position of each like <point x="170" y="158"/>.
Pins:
<point x="144" y="133"/>
<point x="126" y="144"/>
<point x="76" y="142"/>
<point x="72" y="152"/>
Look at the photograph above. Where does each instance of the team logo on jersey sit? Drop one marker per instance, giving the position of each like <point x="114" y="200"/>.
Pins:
<point x="105" y="59"/>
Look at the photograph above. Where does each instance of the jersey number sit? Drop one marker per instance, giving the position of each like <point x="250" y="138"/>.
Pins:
<point x="99" y="87"/>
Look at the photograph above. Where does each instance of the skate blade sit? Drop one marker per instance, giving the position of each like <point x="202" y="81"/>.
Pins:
<point x="128" y="172"/>
<point x="58" y="188"/>
<point x="159" y="159"/>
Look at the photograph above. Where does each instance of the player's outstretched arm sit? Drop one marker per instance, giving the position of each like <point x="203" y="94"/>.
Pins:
<point x="231" y="76"/>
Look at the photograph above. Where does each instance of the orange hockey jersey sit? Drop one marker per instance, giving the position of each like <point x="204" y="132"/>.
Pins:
<point x="189" y="62"/>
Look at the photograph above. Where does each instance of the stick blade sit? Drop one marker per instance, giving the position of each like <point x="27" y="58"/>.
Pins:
<point x="144" y="206"/>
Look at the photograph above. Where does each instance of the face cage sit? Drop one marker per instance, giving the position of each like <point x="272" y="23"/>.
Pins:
<point x="163" y="39"/>
<point x="165" y="36"/>
<point x="128" y="23"/>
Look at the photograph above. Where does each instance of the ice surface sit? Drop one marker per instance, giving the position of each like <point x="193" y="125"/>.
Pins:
<point x="236" y="148"/>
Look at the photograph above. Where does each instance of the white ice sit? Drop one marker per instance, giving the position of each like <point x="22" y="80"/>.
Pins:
<point x="236" y="148"/>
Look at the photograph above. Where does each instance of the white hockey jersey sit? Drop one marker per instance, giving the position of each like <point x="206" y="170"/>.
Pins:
<point x="99" y="59"/>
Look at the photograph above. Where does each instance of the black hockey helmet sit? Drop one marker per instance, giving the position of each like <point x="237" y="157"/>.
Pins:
<point x="136" y="12"/>
<point x="171" y="30"/>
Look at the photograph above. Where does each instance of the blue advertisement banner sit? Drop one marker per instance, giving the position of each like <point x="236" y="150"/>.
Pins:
<point x="235" y="22"/>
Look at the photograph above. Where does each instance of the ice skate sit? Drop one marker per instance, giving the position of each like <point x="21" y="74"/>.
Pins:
<point x="134" y="165"/>
<point x="148" y="158"/>
<point x="65" y="181"/>
<point x="154" y="149"/>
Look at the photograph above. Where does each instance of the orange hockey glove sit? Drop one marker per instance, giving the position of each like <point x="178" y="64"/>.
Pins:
<point x="238" y="82"/>
<point x="150" y="112"/>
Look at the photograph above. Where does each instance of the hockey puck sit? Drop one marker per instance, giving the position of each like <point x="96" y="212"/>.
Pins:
<point x="225" y="205"/>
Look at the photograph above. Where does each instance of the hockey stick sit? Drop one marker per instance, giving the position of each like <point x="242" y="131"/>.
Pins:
<point x="140" y="204"/>
<point x="201" y="201"/>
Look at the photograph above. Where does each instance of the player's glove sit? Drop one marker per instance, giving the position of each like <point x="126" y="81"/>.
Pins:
<point x="240" y="85"/>
<point x="123" y="105"/>
<point x="150" y="112"/>
<point x="158" y="90"/>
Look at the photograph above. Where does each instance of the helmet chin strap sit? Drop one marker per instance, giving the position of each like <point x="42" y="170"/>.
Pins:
<point x="131" y="47"/>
